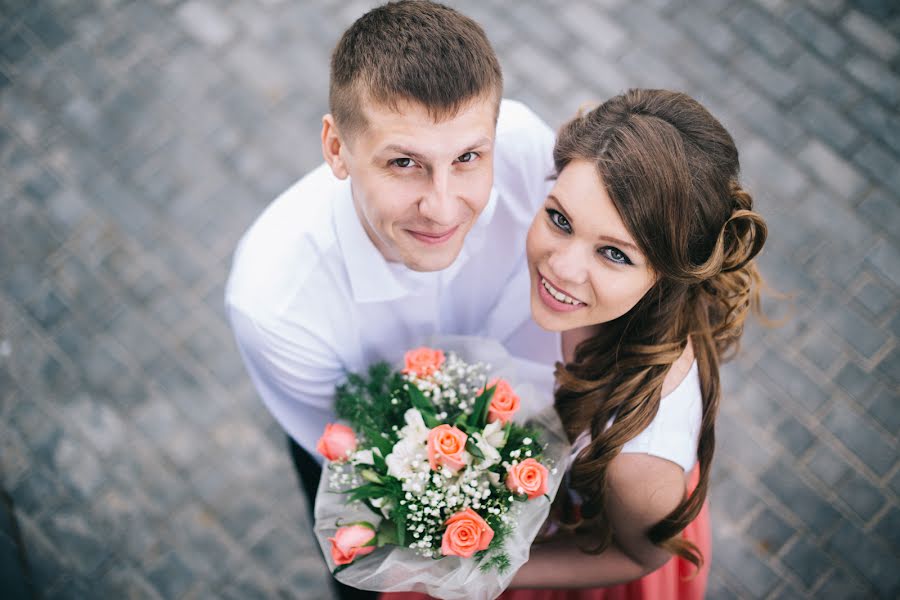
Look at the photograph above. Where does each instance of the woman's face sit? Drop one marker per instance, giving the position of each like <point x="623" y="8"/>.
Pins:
<point x="585" y="267"/>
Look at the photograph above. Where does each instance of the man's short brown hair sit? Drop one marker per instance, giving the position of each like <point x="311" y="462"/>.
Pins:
<point x="411" y="50"/>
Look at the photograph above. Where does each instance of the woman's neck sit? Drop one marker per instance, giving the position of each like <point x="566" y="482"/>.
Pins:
<point x="572" y="337"/>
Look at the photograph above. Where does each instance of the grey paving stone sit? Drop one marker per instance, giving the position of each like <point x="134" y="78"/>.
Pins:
<point x="816" y="32"/>
<point x="208" y="25"/>
<point x="882" y="209"/>
<point x="833" y="170"/>
<point x="841" y="584"/>
<point x="76" y="537"/>
<point x="594" y="25"/>
<point x="806" y="560"/>
<point x="794" y="436"/>
<point x="822" y="119"/>
<point x="821" y="350"/>
<point x="854" y="380"/>
<point x="888" y="527"/>
<point x="768" y="78"/>
<point x="876" y="77"/>
<point x="824" y="80"/>
<point x="126" y="581"/>
<point x="787" y="376"/>
<point x="770" y="532"/>
<point x="871" y="34"/>
<point x="752" y="24"/>
<point x="883" y="257"/>
<point x="865" y="337"/>
<point x="826" y="465"/>
<point x="804" y="501"/>
<point x="860" y="437"/>
<point x="890" y="366"/>
<point x="861" y="495"/>
<point x="868" y="556"/>
<point x="883" y="407"/>
<point x="745" y="566"/>
<point x="170" y="576"/>
<point x="731" y="500"/>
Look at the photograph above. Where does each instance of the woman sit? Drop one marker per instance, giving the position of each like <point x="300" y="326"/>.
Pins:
<point x="643" y="259"/>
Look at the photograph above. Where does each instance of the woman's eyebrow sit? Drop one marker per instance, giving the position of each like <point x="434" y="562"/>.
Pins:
<point x="606" y="238"/>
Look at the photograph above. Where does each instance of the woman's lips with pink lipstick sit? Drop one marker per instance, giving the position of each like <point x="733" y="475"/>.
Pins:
<point x="433" y="238"/>
<point x="555" y="298"/>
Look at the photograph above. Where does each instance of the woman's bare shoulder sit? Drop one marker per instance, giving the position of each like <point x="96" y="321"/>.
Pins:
<point x="679" y="370"/>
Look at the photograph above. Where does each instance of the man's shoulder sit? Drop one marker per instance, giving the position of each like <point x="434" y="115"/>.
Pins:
<point x="285" y="246"/>
<point x="517" y="119"/>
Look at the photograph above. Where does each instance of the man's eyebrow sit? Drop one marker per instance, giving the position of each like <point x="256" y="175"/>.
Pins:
<point x="607" y="238"/>
<point x="485" y="141"/>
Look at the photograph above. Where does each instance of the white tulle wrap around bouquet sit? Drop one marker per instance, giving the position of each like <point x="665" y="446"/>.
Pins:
<point x="441" y="472"/>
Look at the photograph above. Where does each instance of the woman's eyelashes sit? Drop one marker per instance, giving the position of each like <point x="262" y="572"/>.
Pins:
<point x="610" y="253"/>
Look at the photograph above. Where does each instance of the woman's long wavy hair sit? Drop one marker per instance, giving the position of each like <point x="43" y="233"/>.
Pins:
<point x="671" y="169"/>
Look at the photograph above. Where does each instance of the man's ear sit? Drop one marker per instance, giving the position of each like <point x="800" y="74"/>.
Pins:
<point x="333" y="148"/>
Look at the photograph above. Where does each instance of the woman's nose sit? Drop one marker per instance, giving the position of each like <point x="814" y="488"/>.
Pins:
<point x="568" y="264"/>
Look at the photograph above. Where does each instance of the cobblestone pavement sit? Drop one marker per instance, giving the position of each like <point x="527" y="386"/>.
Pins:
<point x="138" y="139"/>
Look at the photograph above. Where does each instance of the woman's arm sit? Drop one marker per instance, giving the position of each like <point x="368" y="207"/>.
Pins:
<point x="643" y="489"/>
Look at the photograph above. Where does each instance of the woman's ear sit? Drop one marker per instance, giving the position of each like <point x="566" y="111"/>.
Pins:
<point x="333" y="148"/>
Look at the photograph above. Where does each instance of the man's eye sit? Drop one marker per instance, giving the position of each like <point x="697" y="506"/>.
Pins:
<point x="403" y="163"/>
<point x="615" y="255"/>
<point x="559" y="220"/>
<point x="467" y="157"/>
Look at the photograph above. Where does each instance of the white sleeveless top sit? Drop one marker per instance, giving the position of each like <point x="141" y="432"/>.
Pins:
<point x="674" y="431"/>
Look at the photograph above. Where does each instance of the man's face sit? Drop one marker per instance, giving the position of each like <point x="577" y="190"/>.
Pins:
<point x="419" y="186"/>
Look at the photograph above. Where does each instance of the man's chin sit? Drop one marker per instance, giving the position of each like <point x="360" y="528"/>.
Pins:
<point x="425" y="262"/>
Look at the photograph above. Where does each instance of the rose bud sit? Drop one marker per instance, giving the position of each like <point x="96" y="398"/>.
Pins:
<point x="350" y="542"/>
<point x="466" y="534"/>
<point x="529" y="477"/>
<point x="337" y="443"/>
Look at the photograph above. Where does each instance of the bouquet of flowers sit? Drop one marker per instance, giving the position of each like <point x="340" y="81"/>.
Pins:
<point x="434" y="487"/>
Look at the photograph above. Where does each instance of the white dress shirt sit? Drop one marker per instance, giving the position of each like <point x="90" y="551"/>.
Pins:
<point x="310" y="298"/>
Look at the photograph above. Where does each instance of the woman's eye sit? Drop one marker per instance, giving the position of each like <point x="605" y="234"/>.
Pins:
<point x="615" y="255"/>
<point x="403" y="163"/>
<point x="559" y="220"/>
<point x="467" y="157"/>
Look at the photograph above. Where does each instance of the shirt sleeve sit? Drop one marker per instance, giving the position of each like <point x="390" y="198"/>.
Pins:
<point x="294" y="373"/>
<point x="524" y="157"/>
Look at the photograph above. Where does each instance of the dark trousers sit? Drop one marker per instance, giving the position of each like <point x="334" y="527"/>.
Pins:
<point x="308" y="473"/>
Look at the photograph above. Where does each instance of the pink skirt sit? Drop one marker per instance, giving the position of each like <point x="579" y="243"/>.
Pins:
<point x="675" y="580"/>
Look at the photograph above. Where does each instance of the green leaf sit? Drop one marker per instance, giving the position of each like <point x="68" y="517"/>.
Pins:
<point x="419" y="401"/>
<point x="387" y="533"/>
<point x="370" y="475"/>
<point x="401" y="532"/>
<point x="473" y="449"/>
<point x="478" y="418"/>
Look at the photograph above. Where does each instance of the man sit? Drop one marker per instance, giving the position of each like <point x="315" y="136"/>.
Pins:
<point x="414" y="226"/>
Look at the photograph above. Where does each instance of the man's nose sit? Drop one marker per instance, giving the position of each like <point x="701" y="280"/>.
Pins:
<point x="568" y="264"/>
<point x="438" y="204"/>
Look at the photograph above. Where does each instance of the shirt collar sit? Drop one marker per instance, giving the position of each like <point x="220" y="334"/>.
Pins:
<point x="374" y="279"/>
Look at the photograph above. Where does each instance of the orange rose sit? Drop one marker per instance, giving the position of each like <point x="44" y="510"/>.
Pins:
<point x="466" y="534"/>
<point x="350" y="542"/>
<point x="423" y="361"/>
<point x="504" y="402"/>
<point x="337" y="442"/>
<point x="528" y="477"/>
<point x="447" y="446"/>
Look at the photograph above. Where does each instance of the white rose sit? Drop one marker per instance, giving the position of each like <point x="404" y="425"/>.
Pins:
<point x="363" y="457"/>
<point x="494" y="434"/>
<point x="491" y="456"/>
<point x="407" y="458"/>
<point x="415" y="428"/>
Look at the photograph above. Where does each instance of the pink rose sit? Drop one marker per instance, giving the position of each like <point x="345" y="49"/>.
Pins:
<point x="423" y="361"/>
<point x="337" y="442"/>
<point x="350" y="542"/>
<point x="528" y="477"/>
<point x="446" y="446"/>
<point x="504" y="402"/>
<point x="466" y="534"/>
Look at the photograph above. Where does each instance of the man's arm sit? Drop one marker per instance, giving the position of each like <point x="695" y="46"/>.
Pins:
<point x="294" y="372"/>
